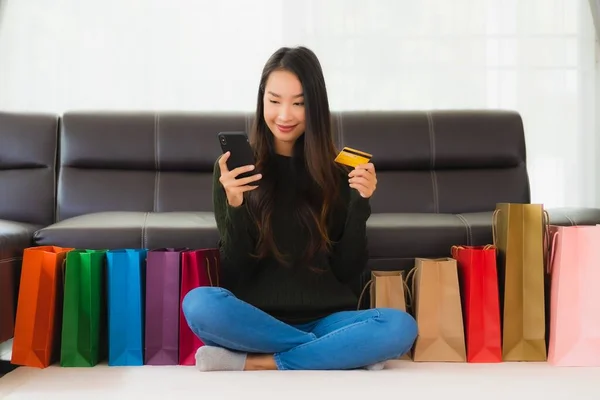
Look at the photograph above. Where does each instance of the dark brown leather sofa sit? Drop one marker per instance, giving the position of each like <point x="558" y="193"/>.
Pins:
<point x="144" y="179"/>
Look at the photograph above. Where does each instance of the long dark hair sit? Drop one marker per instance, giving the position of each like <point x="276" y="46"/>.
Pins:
<point x="314" y="149"/>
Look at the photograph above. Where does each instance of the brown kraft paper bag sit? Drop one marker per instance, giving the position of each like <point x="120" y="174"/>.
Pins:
<point x="438" y="311"/>
<point x="387" y="290"/>
<point x="520" y="234"/>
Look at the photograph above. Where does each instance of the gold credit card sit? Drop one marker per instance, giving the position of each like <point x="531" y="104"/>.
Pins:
<point x="352" y="157"/>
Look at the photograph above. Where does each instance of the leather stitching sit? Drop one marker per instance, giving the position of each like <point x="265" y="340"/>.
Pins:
<point x="6" y="260"/>
<point x="56" y="168"/>
<point x="570" y="220"/>
<point x="468" y="227"/>
<point x="156" y="161"/>
<point x="436" y="199"/>
<point x="144" y="235"/>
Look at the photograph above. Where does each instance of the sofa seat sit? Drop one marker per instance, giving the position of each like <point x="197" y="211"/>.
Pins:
<point x="14" y="237"/>
<point x="566" y="216"/>
<point x="112" y="230"/>
<point x="394" y="236"/>
<point x="409" y="235"/>
<point x="396" y="239"/>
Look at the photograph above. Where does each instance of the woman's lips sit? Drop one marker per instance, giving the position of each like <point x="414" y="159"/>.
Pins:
<point x="285" y="128"/>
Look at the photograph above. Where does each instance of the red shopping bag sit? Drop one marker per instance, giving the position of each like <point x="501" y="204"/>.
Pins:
<point x="198" y="268"/>
<point x="481" y="303"/>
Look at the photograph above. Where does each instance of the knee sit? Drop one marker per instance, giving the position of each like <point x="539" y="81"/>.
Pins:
<point x="400" y="330"/>
<point x="202" y="305"/>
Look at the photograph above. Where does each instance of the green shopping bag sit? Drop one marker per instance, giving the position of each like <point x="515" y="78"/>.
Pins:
<point x="84" y="337"/>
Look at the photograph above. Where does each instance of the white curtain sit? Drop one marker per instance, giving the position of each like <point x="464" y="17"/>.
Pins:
<point x="533" y="56"/>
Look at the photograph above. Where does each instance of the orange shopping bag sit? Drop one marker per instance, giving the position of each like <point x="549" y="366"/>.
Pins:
<point x="39" y="308"/>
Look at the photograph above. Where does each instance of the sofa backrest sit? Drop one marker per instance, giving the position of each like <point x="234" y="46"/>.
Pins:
<point x="28" y="145"/>
<point x="441" y="161"/>
<point x="139" y="161"/>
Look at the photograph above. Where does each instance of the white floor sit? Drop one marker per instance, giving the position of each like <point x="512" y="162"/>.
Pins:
<point x="400" y="380"/>
<point x="6" y="350"/>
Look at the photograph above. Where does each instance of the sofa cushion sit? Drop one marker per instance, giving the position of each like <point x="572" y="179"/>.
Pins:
<point x="443" y="161"/>
<point x="396" y="236"/>
<point x="110" y="230"/>
<point x="565" y="216"/>
<point x="28" y="147"/>
<point x="391" y="236"/>
<point x="14" y="237"/>
<point x="139" y="162"/>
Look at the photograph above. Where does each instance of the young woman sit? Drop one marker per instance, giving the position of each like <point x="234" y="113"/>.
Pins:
<point x="293" y="240"/>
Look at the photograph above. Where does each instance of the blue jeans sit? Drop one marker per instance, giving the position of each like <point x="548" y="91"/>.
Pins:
<point x="343" y="340"/>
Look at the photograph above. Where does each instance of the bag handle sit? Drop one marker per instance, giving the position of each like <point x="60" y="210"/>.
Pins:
<point x="495" y="227"/>
<point x="362" y="293"/>
<point x="548" y="256"/>
<point x="208" y="271"/>
<point x="550" y="264"/>
<point x="411" y="276"/>
<point x="454" y="249"/>
<point x="372" y="281"/>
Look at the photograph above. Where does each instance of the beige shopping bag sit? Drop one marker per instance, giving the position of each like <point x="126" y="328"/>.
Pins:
<point x="387" y="290"/>
<point x="438" y="311"/>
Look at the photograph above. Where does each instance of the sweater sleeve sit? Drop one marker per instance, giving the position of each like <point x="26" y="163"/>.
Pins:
<point x="236" y="236"/>
<point x="350" y="255"/>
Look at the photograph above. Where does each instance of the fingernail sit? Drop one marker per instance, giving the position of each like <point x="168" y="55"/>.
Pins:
<point x="259" y="176"/>
<point x="251" y="167"/>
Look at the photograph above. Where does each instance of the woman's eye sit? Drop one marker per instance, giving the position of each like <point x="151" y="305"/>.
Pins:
<point x="299" y="104"/>
<point x="273" y="101"/>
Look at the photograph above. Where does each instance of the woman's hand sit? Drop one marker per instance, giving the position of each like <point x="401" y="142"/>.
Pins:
<point x="235" y="188"/>
<point x="364" y="179"/>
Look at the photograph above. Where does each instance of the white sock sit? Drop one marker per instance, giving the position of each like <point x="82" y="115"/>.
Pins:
<point x="210" y="358"/>
<point x="376" y="367"/>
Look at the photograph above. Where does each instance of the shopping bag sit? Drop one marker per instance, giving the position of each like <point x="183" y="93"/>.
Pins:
<point x="162" y="306"/>
<point x="125" y="284"/>
<point x="575" y="296"/>
<point x="198" y="268"/>
<point x="387" y="290"/>
<point x="478" y="279"/>
<point x="84" y="309"/>
<point x="437" y="308"/>
<point x="520" y="234"/>
<point x="9" y="275"/>
<point x="39" y="309"/>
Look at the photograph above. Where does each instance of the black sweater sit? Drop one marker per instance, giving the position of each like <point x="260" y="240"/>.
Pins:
<point x="292" y="294"/>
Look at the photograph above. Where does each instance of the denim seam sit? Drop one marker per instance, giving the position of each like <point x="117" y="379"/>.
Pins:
<point x="204" y="336"/>
<point x="228" y="294"/>
<point x="222" y="342"/>
<point x="278" y="362"/>
<point x="354" y="316"/>
<point x="337" y="332"/>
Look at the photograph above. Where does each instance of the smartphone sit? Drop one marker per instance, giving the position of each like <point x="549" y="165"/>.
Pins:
<point x="238" y="145"/>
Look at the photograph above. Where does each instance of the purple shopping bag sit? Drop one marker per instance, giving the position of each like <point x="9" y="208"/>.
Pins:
<point x="162" y="306"/>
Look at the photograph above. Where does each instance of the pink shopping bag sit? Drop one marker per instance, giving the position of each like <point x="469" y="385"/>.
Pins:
<point x="574" y="296"/>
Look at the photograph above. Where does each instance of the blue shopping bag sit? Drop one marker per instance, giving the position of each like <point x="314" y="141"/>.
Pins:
<point x="125" y="284"/>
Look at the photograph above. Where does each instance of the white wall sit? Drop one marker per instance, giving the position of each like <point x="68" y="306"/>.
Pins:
<point x="535" y="56"/>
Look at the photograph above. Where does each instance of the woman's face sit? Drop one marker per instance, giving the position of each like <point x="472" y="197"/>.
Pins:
<point x="284" y="110"/>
